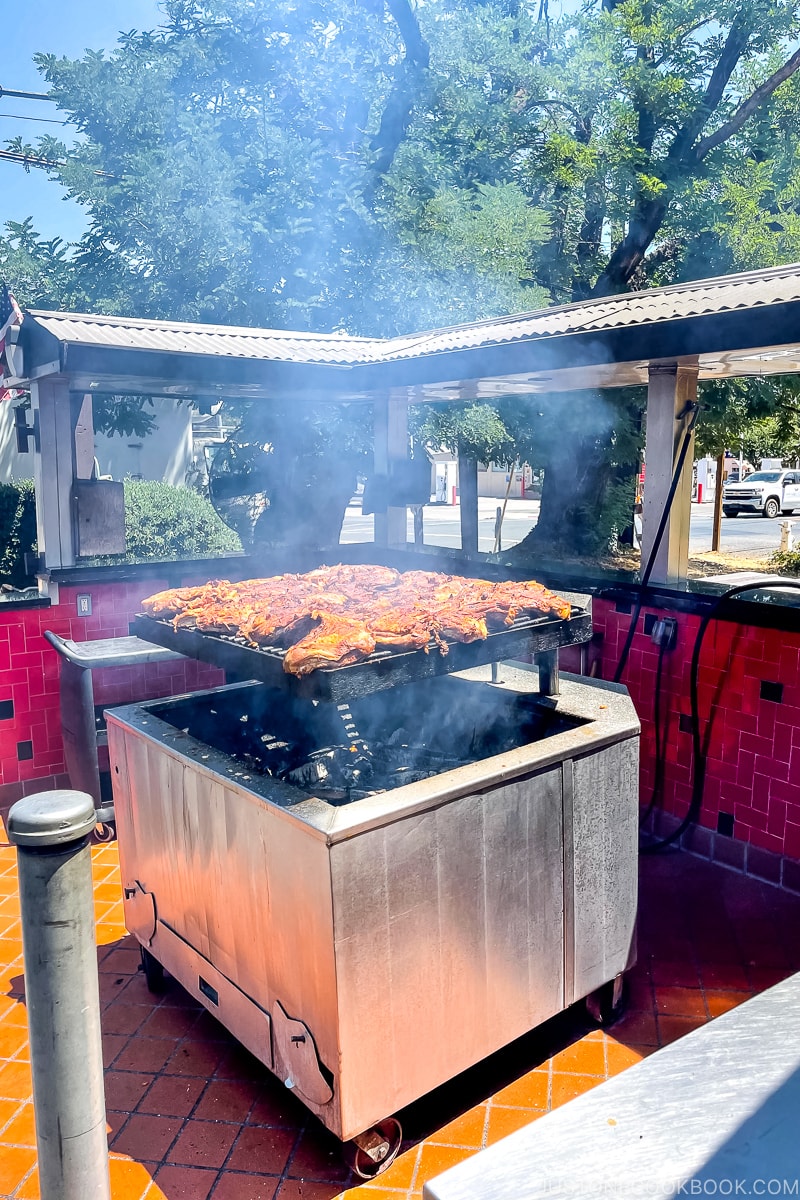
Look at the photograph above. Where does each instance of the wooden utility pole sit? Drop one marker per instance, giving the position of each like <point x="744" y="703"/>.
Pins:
<point x="716" y="528"/>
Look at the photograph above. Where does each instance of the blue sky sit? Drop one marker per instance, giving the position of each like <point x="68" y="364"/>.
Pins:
<point x="65" y="28"/>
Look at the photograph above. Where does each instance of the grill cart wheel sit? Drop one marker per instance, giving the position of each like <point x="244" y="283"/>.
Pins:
<point x="153" y="971"/>
<point x="106" y="831"/>
<point x="372" y="1151"/>
<point x="608" y="1003"/>
<point x="772" y="508"/>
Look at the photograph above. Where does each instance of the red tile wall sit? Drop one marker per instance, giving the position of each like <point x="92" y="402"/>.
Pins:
<point x="753" y="767"/>
<point x="29" y="669"/>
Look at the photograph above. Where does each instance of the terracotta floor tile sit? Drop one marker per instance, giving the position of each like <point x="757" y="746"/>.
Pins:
<point x="680" y="1002"/>
<point x="184" y="1183"/>
<point x="299" y="1189"/>
<point x="172" y="1096"/>
<point x="567" y="1087"/>
<point x="531" y="1091"/>
<point x="318" y="1156"/>
<point x="112" y="1045"/>
<point x="435" y="1159"/>
<point x="203" y="1144"/>
<point x="30" y="1188"/>
<point x="237" y="1063"/>
<point x="125" y="1018"/>
<point x="8" y="1109"/>
<point x="169" y="1022"/>
<point x="15" y="1163"/>
<point x="586" y="1057"/>
<point x="145" y="1054"/>
<point x="22" y="1130"/>
<point x="194" y="1058"/>
<point x="620" y="1056"/>
<point x="147" y="1137"/>
<point x="129" y="1180"/>
<point x="275" y="1105"/>
<point x="225" y="1100"/>
<point x="675" y="974"/>
<point x="721" y="1002"/>
<point x="672" y="1028"/>
<point x="245" y="1187"/>
<point x="124" y="1089"/>
<point x="727" y="977"/>
<point x="374" y="1191"/>
<point x="12" y="1039"/>
<point x="466" y="1130"/>
<point x="263" y="1150"/>
<point x="637" y="1027"/>
<point x="763" y="977"/>
<point x="503" y="1121"/>
<point x="15" y="1081"/>
<point x="399" y="1176"/>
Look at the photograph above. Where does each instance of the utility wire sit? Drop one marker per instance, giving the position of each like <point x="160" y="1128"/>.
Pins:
<point x="47" y="164"/>
<point x="44" y="120"/>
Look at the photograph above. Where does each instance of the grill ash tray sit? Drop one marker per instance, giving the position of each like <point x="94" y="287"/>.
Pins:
<point x="346" y="752"/>
<point x="383" y="669"/>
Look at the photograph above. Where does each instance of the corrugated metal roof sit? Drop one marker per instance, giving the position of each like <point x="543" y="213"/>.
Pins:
<point x="683" y="301"/>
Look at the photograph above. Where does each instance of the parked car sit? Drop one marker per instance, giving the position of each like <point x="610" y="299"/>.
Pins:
<point x="767" y="492"/>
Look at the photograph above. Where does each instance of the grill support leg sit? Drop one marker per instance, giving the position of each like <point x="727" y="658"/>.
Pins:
<point x="547" y="662"/>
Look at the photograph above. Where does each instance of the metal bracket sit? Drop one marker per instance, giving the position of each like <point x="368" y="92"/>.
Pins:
<point x="24" y="432"/>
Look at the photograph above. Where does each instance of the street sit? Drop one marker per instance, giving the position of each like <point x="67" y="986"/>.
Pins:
<point x="740" y="535"/>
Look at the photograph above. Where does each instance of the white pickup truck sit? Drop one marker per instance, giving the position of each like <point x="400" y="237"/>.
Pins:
<point x="765" y="492"/>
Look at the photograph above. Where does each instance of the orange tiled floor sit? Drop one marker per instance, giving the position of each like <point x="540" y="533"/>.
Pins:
<point x="192" y="1116"/>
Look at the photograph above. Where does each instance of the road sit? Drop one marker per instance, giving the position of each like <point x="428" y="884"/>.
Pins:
<point x="740" y="535"/>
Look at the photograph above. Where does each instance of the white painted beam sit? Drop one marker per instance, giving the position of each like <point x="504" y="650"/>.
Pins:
<point x="391" y="445"/>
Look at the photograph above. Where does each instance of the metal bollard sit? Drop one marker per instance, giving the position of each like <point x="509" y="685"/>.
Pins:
<point x="51" y="832"/>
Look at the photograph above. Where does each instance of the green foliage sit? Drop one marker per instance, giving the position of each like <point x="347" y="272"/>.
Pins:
<point x="17" y="531"/>
<point x="165" y="523"/>
<point x="786" y="562"/>
<point x="474" y="431"/>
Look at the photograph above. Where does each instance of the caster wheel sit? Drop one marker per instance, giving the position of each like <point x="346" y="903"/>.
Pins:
<point x="372" y="1151"/>
<point x="608" y="1003"/>
<point x="106" y="832"/>
<point x="153" y="971"/>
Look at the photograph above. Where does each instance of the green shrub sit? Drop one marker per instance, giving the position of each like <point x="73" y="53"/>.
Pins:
<point x="786" y="562"/>
<point x="165" y="523"/>
<point x="17" y="531"/>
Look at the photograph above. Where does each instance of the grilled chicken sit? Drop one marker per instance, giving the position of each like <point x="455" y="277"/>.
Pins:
<point x="337" y="615"/>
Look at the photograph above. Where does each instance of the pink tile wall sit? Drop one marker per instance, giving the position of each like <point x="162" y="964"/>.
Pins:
<point x="29" y="671"/>
<point x="753" y="768"/>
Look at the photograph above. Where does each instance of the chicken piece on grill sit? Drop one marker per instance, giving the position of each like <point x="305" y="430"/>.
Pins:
<point x="400" y="628"/>
<point x="174" y="600"/>
<point x="336" y="642"/>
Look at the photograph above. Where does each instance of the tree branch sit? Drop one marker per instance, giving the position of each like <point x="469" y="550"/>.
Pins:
<point x="396" y="114"/>
<point x="748" y="107"/>
<point x="735" y="45"/>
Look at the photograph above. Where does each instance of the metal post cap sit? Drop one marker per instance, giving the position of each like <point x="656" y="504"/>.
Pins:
<point x="51" y="818"/>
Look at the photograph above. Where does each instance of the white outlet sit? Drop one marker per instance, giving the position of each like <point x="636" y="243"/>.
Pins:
<point x="84" y="606"/>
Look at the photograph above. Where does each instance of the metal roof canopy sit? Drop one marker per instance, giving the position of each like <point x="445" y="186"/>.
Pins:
<point x="747" y="324"/>
<point x="666" y="338"/>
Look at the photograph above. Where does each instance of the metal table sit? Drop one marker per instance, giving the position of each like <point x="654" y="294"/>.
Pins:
<point x="714" y="1113"/>
<point x="78" y="724"/>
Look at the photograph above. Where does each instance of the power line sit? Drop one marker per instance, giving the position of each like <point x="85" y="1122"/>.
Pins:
<point x="46" y="120"/>
<point x="47" y="164"/>
<point x="26" y="95"/>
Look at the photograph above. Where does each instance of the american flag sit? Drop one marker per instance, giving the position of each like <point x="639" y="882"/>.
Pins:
<point x="10" y="314"/>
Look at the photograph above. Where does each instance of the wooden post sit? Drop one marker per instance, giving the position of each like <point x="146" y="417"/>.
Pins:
<point x="54" y="471"/>
<point x="468" y="492"/>
<point x="391" y="445"/>
<point x="716" y="528"/>
<point x="669" y="388"/>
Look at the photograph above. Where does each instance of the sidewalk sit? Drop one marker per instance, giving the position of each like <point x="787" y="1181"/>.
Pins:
<point x="192" y="1116"/>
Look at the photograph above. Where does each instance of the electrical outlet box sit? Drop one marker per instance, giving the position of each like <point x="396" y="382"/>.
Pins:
<point x="665" y="632"/>
<point x="84" y="606"/>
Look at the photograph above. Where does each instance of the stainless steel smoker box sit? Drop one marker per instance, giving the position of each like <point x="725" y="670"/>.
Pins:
<point x="366" y="953"/>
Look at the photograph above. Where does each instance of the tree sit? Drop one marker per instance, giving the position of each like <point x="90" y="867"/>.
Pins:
<point x="379" y="167"/>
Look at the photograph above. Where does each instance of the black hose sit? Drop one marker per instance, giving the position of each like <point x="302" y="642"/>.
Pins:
<point x="694" y="408"/>
<point x="698" y="754"/>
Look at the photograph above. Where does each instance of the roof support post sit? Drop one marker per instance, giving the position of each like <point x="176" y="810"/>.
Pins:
<point x="670" y="387"/>
<point x="54" y="470"/>
<point x="391" y="446"/>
